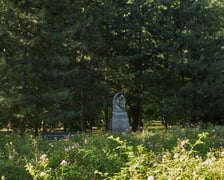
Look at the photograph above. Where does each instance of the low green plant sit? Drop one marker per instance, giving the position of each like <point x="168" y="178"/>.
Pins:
<point x="183" y="162"/>
<point x="175" y="154"/>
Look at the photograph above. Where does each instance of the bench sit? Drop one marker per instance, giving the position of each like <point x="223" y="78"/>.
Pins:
<point x="56" y="135"/>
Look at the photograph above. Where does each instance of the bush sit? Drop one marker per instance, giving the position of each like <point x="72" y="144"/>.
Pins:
<point x="177" y="154"/>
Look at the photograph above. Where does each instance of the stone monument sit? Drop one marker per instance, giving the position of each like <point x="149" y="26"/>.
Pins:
<point x="119" y="121"/>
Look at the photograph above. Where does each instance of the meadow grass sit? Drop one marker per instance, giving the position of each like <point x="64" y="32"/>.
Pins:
<point x="178" y="153"/>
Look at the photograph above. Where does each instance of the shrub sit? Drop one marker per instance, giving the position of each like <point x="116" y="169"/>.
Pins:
<point x="176" y="154"/>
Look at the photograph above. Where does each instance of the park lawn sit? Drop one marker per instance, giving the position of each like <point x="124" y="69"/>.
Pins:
<point x="190" y="153"/>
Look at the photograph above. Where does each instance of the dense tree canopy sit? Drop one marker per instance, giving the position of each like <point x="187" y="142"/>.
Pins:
<point x="62" y="62"/>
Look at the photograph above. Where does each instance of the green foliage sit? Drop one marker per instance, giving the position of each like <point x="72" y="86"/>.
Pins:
<point x="61" y="62"/>
<point x="190" y="68"/>
<point x="176" y="154"/>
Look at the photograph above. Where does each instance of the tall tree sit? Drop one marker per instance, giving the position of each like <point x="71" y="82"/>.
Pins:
<point x="190" y="42"/>
<point x="35" y="73"/>
<point x="17" y="77"/>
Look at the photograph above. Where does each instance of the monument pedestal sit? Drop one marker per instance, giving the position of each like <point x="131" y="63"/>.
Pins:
<point x="120" y="122"/>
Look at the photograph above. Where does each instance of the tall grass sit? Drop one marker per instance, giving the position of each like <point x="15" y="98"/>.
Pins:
<point x="191" y="153"/>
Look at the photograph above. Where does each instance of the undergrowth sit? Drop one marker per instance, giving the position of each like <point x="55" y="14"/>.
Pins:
<point x="176" y="154"/>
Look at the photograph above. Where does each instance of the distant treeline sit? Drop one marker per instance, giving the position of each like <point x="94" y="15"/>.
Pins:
<point x="62" y="61"/>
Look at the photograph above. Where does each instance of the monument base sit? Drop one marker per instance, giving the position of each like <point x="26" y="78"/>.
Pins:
<point x="119" y="122"/>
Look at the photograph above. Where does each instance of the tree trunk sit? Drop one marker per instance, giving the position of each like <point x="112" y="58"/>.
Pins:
<point x="165" y="123"/>
<point x="137" y="116"/>
<point x="82" y="119"/>
<point x="107" y="120"/>
<point x="194" y="106"/>
<point x="65" y="126"/>
<point x="44" y="128"/>
<point x="22" y="126"/>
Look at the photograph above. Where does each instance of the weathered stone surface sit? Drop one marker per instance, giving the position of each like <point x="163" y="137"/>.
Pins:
<point x="119" y="121"/>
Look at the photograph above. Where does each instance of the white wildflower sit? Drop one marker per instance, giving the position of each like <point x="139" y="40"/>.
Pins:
<point x="43" y="157"/>
<point x="67" y="149"/>
<point x="34" y="142"/>
<point x="64" y="163"/>
<point x="207" y="162"/>
<point x="176" y="155"/>
<point x="11" y="157"/>
<point x="222" y="154"/>
<point x="184" y="142"/>
<point x="43" y="174"/>
<point x="75" y="146"/>
<point x="150" y="178"/>
<point x="51" y="145"/>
